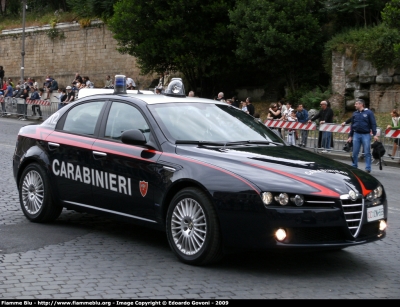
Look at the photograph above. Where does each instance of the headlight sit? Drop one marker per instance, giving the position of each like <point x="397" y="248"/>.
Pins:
<point x="375" y="193"/>
<point x="378" y="191"/>
<point x="267" y="198"/>
<point x="298" y="200"/>
<point x="282" y="199"/>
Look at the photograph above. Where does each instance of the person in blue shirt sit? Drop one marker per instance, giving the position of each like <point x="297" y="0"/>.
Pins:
<point x="362" y="125"/>
<point x="302" y="117"/>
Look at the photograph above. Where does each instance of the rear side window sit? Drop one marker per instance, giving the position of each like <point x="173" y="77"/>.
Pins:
<point x="83" y="118"/>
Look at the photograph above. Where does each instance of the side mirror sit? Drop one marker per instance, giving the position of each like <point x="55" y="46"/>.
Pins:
<point x="133" y="137"/>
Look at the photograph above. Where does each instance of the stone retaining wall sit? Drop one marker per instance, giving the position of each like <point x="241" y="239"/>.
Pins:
<point x="90" y="51"/>
<point x="352" y="79"/>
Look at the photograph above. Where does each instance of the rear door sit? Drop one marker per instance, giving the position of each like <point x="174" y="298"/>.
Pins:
<point x="70" y="153"/>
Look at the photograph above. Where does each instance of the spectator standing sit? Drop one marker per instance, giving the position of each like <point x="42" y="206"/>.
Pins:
<point x="286" y="110"/>
<point x="275" y="113"/>
<point x="362" y="123"/>
<point x="8" y="92"/>
<point x="161" y="81"/>
<point x="291" y="134"/>
<point x="167" y="77"/>
<point x="244" y="106"/>
<point x="325" y="115"/>
<point x="250" y="107"/>
<point x="395" y="125"/>
<point x="1" y="74"/>
<point x="191" y="94"/>
<point x="235" y="102"/>
<point x="35" y="96"/>
<point x="302" y="117"/>
<point x="282" y="105"/>
<point x="221" y="97"/>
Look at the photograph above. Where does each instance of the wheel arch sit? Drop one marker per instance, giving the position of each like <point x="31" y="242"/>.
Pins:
<point x="178" y="186"/>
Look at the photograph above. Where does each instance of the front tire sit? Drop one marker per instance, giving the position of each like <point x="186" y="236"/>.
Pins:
<point x="35" y="196"/>
<point x="192" y="228"/>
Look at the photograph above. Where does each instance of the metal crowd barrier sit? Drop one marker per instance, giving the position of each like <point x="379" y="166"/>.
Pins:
<point x="339" y="135"/>
<point x="18" y="107"/>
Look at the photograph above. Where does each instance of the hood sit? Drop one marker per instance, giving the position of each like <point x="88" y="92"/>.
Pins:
<point x="286" y="168"/>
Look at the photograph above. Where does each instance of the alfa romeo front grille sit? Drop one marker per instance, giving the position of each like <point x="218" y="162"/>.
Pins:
<point x="353" y="213"/>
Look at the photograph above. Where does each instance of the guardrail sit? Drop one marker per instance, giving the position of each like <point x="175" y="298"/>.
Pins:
<point x="339" y="134"/>
<point x="29" y="109"/>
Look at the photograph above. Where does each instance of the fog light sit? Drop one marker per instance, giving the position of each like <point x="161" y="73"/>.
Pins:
<point x="382" y="225"/>
<point x="280" y="234"/>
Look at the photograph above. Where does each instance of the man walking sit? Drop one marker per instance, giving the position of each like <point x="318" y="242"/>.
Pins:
<point x="362" y="124"/>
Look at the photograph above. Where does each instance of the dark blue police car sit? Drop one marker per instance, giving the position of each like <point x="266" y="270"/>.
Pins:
<point x="208" y="174"/>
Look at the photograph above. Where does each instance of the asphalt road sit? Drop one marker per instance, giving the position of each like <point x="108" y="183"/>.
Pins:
<point x="82" y="256"/>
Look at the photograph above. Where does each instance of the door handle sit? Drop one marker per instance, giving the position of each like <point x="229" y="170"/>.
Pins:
<point x="53" y="146"/>
<point x="99" y="154"/>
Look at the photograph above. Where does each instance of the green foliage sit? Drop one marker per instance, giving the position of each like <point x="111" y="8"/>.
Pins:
<point x="312" y="99"/>
<point x="391" y="14"/>
<point x="354" y="13"/>
<point x="187" y="36"/>
<point x="282" y="36"/>
<point x="377" y="44"/>
<point x="92" y="8"/>
<point x="54" y="33"/>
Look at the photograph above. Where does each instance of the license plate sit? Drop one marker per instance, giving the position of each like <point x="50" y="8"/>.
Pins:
<point x="375" y="213"/>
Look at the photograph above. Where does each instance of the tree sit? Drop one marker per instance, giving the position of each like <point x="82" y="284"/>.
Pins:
<point x="391" y="14"/>
<point x="92" y="8"/>
<point x="282" y="36"/>
<point x="187" y="36"/>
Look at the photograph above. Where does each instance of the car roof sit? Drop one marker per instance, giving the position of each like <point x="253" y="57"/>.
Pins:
<point x="155" y="99"/>
<point x="147" y="96"/>
<point x="84" y="92"/>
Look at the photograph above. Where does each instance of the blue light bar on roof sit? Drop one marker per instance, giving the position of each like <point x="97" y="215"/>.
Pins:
<point x="120" y="84"/>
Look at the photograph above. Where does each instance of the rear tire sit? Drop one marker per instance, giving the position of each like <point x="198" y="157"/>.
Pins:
<point x="192" y="228"/>
<point x="35" y="196"/>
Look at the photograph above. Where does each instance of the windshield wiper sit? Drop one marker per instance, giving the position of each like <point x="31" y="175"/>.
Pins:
<point x="264" y="142"/>
<point x="226" y="143"/>
<point x="200" y="142"/>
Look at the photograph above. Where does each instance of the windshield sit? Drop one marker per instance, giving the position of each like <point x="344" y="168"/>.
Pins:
<point x="207" y="122"/>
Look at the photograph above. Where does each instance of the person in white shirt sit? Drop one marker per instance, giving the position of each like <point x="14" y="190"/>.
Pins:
<point x="291" y="133"/>
<point x="130" y="84"/>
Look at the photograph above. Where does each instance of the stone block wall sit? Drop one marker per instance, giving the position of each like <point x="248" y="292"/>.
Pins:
<point x="352" y="79"/>
<point x="90" y="51"/>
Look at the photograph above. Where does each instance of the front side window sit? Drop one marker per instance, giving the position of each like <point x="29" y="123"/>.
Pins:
<point x="82" y="119"/>
<point x="124" y="117"/>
